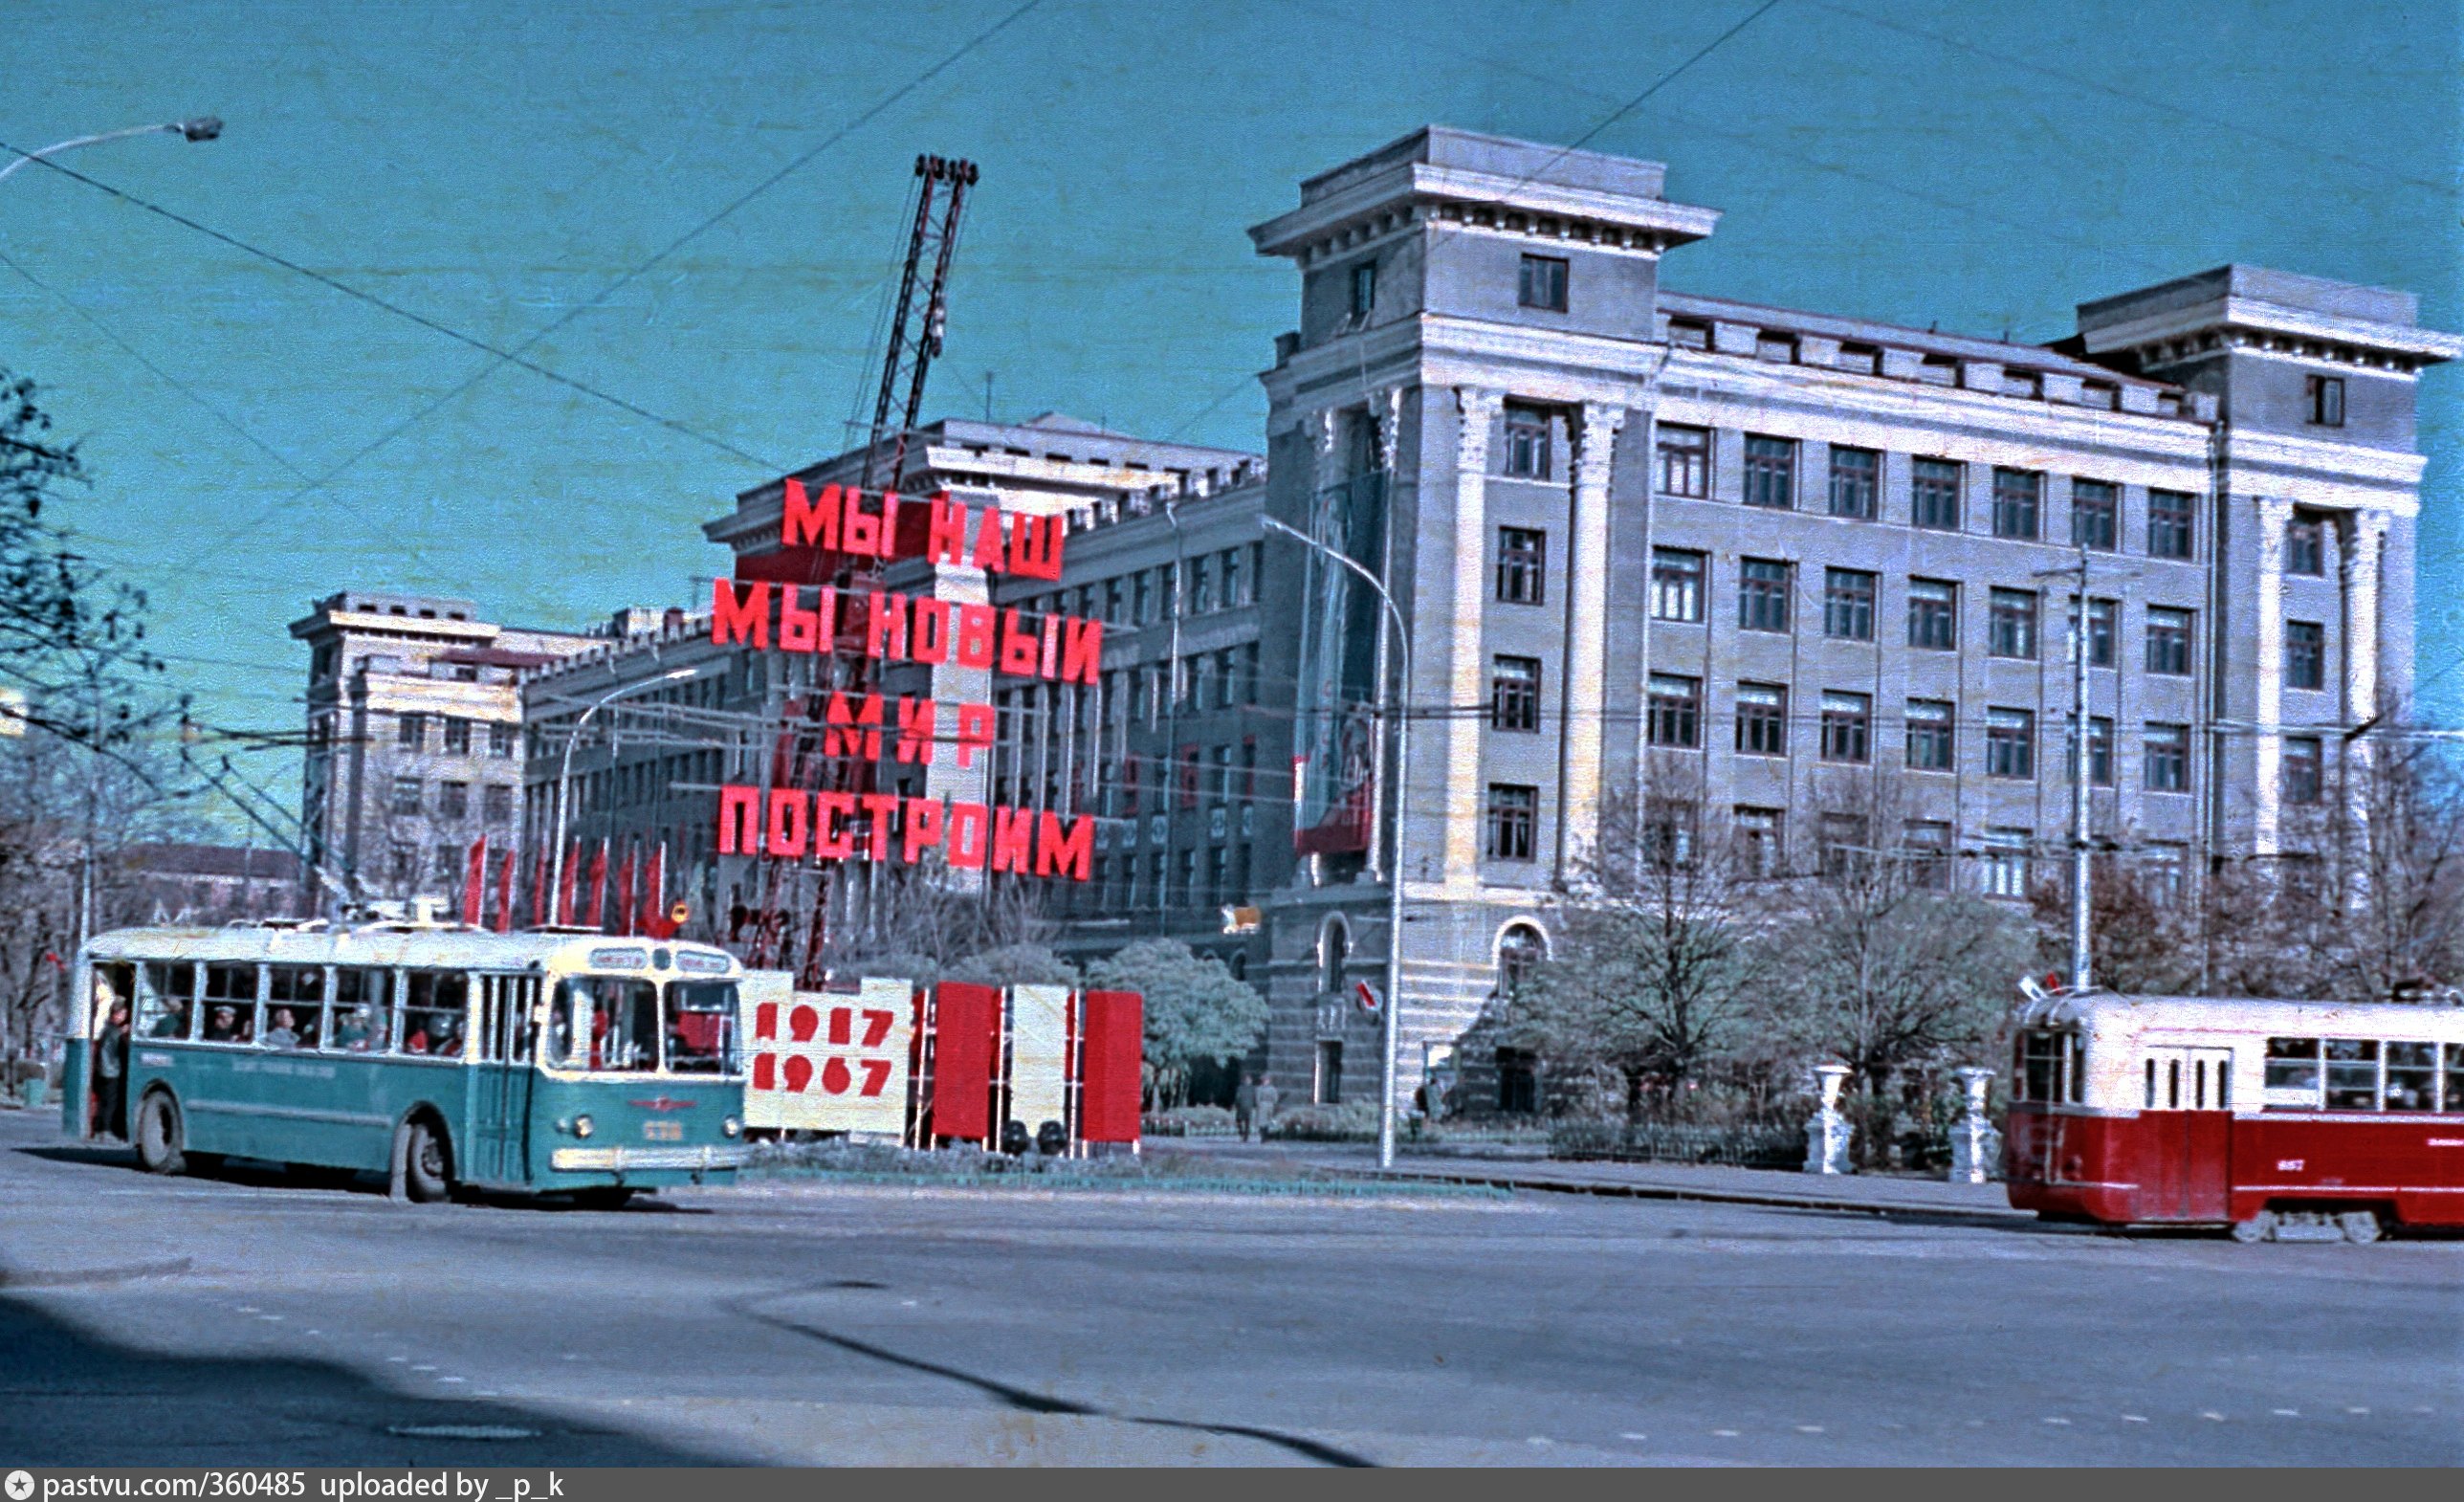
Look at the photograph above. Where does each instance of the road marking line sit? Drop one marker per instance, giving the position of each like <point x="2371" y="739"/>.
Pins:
<point x="1809" y="1429"/>
<point x="2134" y="1418"/>
<point x="2064" y="1422"/>
<point x="2286" y="1413"/>
<point x="2217" y="1418"/>
<point x="1725" y="1434"/>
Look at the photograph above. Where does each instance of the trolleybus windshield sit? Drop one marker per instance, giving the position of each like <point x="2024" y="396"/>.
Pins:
<point x="606" y="1024"/>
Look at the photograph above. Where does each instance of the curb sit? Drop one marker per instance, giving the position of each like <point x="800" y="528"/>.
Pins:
<point x="77" y="1277"/>
<point x="1967" y="1214"/>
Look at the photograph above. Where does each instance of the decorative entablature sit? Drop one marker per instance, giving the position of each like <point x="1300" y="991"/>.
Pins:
<point x="2183" y="330"/>
<point x="2159" y="353"/>
<point x="2330" y="477"/>
<point x="1412" y="193"/>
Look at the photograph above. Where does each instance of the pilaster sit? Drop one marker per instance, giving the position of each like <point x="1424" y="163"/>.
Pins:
<point x="2267" y="790"/>
<point x="1587" y="610"/>
<point x="1461" y="635"/>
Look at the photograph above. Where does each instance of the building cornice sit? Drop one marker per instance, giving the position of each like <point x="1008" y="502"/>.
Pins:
<point x="1413" y="189"/>
<point x="2176" y="334"/>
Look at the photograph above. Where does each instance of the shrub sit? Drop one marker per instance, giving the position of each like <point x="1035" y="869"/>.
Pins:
<point x="1188" y="1121"/>
<point x="1350" y="1122"/>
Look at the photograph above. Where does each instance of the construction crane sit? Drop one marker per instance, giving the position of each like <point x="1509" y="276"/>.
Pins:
<point x="910" y="342"/>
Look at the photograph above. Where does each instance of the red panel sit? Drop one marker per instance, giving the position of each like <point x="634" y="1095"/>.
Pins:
<point x="966" y="1028"/>
<point x="1111" y="1048"/>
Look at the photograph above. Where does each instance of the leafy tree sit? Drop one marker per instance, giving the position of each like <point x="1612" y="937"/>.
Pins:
<point x="1656" y="969"/>
<point x="1195" y="1009"/>
<point x="1012" y="965"/>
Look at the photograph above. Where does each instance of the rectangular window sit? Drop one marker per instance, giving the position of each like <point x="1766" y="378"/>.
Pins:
<point x="2413" y="1077"/>
<point x="410" y="732"/>
<point x="1933" y="614"/>
<point x="2165" y="753"/>
<point x="2352" y="1074"/>
<point x="1847" y="726"/>
<point x="453" y="799"/>
<point x="2095" y="515"/>
<point x="2304" y="769"/>
<point x="1512" y="812"/>
<point x="2016" y="495"/>
<point x="2169" y="641"/>
<point x="1933" y="736"/>
<point x="1527" y="443"/>
<point x="2305" y="548"/>
<point x="1842" y="845"/>
<point x="1364" y="288"/>
<point x="2099" y="749"/>
<point x="2305" y="654"/>
<point x="1933" y="494"/>
<point x="2328" y="401"/>
<point x="1235" y="583"/>
<point x="457" y="735"/>
<point x="1760" y="851"/>
<point x="1925" y="845"/>
<point x="1522" y="562"/>
<point x="2291" y="1077"/>
<point x="1514" y="694"/>
<point x="498" y="804"/>
<point x="1201" y="585"/>
<point x="1770" y="472"/>
<point x="1675" y="710"/>
<point x="2006" y="863"/>
<point x="1762" y="718"/>
<point x="2010" y="742"/>
<point x="1684" y="461"/>
<point x="1855" y="482"/>
<point x="1762" y="594"/>
<point x="1542" y="283"/>
<point x="2100" y="617"/>
<point x="2011" y="624"/>
<point x="1848" y="604"/>
<point x="2171" y="531"/>
<point x="503" y="739"/>
<point x="407" y="795"/>
<point x="1677" y="585"/>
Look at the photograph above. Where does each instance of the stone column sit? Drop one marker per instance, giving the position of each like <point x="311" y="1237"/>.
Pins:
<point x="2365" y="538"/>
<point x="2267" y="777"/>
<point x="1386" y="414"/>
<point x="1586" y="608"/>
<point x="1462" y="637"/>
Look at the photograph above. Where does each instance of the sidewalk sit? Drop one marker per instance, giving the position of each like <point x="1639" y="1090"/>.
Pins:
<point x="1981" y="1203"/>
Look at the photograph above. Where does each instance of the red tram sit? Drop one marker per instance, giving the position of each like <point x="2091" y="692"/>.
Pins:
<point x="2283" y="1120"/>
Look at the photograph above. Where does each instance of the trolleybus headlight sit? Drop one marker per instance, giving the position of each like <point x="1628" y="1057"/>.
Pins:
<point x="731" y="1127"/>
<point x="582" y="1126"/>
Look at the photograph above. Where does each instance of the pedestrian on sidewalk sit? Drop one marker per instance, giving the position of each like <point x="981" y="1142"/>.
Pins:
<point x="1244" y="1105"/>
<point x="1267" y="1096"/>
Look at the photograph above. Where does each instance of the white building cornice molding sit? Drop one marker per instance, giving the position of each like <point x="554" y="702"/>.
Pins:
<point x="2174" y="334"/>
<point x="1483" y="200"/>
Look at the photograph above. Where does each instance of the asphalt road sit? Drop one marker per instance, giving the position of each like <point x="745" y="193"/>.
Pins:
<point x="243" y="1320"/>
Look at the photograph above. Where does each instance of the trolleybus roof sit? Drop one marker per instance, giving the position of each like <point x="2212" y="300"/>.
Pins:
<point x="381" y="945"/>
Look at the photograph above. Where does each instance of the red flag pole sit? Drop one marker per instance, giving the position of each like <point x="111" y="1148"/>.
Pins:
<point x="565" y="890"/>
<point x="475" y="882"/>
<point x="505" y="892"/>
<point x="654" y="920"/>
<point x="539" y="889"/>
<point x="597" y="887"/>
<point x="624" y="914"/>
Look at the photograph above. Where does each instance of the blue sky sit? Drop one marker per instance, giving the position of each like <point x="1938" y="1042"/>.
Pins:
<point x="491" y="166"/>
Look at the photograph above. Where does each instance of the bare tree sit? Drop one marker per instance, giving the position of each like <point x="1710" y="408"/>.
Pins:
<point x="1888" y="962"/>
<point x="1656" y="967"/>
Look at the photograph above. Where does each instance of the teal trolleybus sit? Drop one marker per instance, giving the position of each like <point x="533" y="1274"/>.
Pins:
<point x="445" y="1057"/>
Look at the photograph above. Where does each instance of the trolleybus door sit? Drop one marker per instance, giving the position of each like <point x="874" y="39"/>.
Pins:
<point x="2186" y="1134"/>
<point x="500" y="1107"/>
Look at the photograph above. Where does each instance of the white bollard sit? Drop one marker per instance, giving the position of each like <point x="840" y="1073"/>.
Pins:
<point x="1827" y="1135"/>
<point x="1974" y="1145"/>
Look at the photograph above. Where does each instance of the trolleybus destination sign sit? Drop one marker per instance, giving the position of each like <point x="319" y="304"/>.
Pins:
<point x="772" y="615"/>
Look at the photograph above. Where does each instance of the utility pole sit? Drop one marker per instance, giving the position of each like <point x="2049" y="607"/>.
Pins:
<point x="2080" y="905"/>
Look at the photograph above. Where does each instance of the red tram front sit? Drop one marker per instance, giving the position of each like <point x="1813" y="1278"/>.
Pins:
<point x="2280" y="1119"/>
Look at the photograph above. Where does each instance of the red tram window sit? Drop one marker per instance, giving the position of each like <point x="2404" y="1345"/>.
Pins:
<point x="2352" y="1074"/>
<point x="2412" y="1076"/>
<point x="2455" y="1076"/>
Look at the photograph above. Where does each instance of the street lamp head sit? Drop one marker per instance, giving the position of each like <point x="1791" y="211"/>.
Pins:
<point x="676" y="674"/>
<point x="205" y="127"/>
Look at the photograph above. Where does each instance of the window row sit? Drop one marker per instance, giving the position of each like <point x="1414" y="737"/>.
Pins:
<point x="1224" y="580"/>
<point x="1767" y="596"/>
<point x="1844" y="725"/>
<point x="1774" y="476"/>
<point x="1190" y="877"/>
<point x="459" y="735"/>
<point x="410" y="798"/>
<point x="2363" y="1075"/>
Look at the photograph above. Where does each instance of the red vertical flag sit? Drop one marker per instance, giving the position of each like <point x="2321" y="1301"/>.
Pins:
<point x="505" y="890"/>
<point x="598" y="918"/>
<point x="539" y="889"/>
<point x="652" y="918"/>
<point x="475" y="882"/>
<point x="624" y="914"/>
<point x="565" y="888"/>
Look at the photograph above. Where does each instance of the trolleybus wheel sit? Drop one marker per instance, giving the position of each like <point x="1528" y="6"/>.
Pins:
<point x="426" y="1176"/>
<point x="158" y="1136"/>
<point x="2361" y="1227"/>
<point x="2257" y="1228"/>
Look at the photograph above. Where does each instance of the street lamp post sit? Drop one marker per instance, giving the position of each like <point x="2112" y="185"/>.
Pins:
<point x="1391" y="1026"/>
<point x="565" y="772"/>
<point x="205" y="127"/>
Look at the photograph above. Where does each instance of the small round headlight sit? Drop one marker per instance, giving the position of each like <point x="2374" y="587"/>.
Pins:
<point x="731" y="1127"/>
<point x="582" y="1126"/>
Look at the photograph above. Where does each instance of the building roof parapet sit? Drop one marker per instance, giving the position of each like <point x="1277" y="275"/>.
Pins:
<point x="2256" y="307"/>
